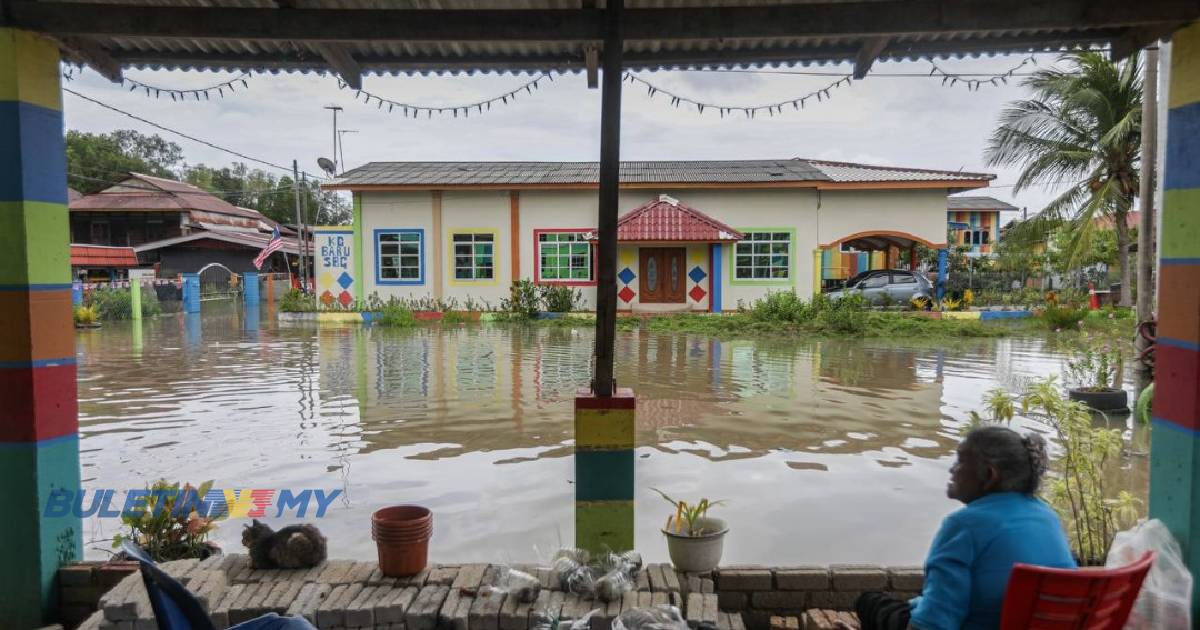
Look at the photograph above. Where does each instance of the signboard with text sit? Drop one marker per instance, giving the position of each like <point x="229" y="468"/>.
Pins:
<point x="333" y="264"/>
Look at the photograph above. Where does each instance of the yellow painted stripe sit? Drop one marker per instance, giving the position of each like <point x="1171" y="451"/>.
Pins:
<point x="1185" y="66"/>
<point x="29" y="69"/>
<point x="605" y="428"/>
<point x="33" y="243"/>
<point x="602" y="526"/>
<point x="960" y="315"/>
<point x="339" y="317"/>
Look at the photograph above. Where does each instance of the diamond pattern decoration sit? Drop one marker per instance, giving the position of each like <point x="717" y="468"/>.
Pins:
<point x="345" y="298"/>
<point x="626" y="294"/>
<point x="697" y="274"/>
<point x="327" y="298"/>
<point x="626" y="276"/>
<point x="697" y="293"/>
<point x="345" y="280"/>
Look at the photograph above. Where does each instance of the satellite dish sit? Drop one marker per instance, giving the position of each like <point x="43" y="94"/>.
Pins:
<point x="327" y="165"/>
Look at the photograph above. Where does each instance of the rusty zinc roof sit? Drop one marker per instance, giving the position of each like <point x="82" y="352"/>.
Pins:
<point x="146" y="193"/>
<point x="666" y="219"/>
<point x="100" y="256"/>
<point x="518" y="174"/>
<point x="977" y="203"/>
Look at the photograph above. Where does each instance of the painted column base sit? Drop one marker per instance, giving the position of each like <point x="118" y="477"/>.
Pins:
<point x="605" y="437"/>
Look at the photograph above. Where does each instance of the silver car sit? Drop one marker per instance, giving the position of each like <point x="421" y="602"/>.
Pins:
<point x="899" y="287"/>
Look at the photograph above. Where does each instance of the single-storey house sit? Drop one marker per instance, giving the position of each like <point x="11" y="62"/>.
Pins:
<point x="693" y="235"/>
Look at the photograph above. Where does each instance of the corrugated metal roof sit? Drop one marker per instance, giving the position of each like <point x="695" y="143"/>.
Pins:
<point x="252" y="240"/>
<point x="978" y="203"/>
<point x="517" y="174"/>
<point x="660" y="34"/>
<point x="666" y="219"/>
<point x="146" y="193"/>
<point x="101" y="256"/>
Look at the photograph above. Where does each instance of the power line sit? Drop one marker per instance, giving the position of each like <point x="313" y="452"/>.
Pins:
<point x="182" y="134"/>
<point x="131" y="186"/>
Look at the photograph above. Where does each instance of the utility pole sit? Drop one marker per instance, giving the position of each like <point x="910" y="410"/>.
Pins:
<point x="299" y="225"/>
<point x="335" y="109"/>
<point x="342" y="144"/>
<point x="1146" y="226"/>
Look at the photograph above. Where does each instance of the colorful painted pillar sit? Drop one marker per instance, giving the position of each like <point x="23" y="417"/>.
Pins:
<point x="1175" y="437"/>
<point x="357" y="255"/>
<point x="191" y="292"/>
<point x="943" y="271"/>
<point x="714" y="278"/>
<point x="39" y="430"/>
<point x="605" y="431"/>
<point x="818" y="264"/>
<point x="135" y="299"/>
<point x="250" y="294"/>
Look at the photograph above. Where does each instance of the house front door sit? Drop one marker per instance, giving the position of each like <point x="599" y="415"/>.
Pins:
<point x="662" y="280"/>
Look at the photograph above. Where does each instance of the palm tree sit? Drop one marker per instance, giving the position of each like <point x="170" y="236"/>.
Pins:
<point x="1082" y="131"/>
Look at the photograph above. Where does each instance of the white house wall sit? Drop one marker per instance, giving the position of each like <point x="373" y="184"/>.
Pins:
<point x="815" y="218"/>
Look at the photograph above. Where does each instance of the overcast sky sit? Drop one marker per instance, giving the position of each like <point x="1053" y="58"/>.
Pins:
<point x="896" y="121"/>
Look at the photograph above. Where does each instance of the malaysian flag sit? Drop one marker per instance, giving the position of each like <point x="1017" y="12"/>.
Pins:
<point x="272" y="245"/>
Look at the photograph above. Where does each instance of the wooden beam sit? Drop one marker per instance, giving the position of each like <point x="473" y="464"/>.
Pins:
<point x="870" y="50"/>
<point x="591" y="59"/>
<point x="95" y="57"/>
<point x="849" y="19"/>
<point x="343" y="62"/>
<point x="1136" y="39"/>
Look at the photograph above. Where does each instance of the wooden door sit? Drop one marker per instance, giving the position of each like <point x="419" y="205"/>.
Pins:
<point x="662" y="275"/>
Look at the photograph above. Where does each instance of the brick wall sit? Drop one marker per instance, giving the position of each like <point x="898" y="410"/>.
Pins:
<point x="81" y="585"/>
<point x="762" y="592"/>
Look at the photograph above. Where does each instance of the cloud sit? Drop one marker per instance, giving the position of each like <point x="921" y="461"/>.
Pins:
<point x="898" y="121"/>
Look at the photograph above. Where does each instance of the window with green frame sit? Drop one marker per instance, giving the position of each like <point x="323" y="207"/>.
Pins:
<point x="763" y="256"/>
<point x="564" y="256"/>
<point x="474" y="256"/>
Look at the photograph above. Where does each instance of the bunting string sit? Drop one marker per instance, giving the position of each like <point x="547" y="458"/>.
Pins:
<point x="951" y="79"/>
<point x="750" y="111"/>
<point x="463" y="109"/>
<point x="221" y="88"/>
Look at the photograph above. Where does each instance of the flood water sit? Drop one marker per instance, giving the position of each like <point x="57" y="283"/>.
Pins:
<point x="826" y="451"/>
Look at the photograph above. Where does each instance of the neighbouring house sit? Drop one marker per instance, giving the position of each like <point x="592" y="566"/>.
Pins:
<point x="177" y="227"/>
<point x="974" y="222"/>
<point x="101" y="263"/>
<point x="693" y="235"/>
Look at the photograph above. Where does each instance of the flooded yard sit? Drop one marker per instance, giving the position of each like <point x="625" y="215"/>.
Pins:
<point x="826" y="451"/>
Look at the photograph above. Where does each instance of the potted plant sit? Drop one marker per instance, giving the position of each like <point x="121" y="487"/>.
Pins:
<point x="695" y="540"/>
<point x="167" y="526"/>
<point x="86" y="317"/>
<point x="1092" y="375"/>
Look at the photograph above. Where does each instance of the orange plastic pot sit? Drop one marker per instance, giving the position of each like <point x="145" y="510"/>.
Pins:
<point x="402" y="534"/>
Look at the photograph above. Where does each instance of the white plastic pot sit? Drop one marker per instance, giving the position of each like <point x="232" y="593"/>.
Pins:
<point x="697" y="554"/>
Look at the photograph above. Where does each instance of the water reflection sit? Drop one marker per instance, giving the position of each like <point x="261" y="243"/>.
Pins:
<point x="815" y="443"/>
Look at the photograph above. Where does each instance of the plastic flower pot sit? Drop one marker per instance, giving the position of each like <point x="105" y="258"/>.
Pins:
<point x="697" y="554"/>
<point x="402" y="534"/>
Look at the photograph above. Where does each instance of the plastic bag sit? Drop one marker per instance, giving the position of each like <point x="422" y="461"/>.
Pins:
<point x="1165" y="602"/>
<point x="614" y="584"/>
<point x="519" y="584"/>
<point x="658" y="618"/>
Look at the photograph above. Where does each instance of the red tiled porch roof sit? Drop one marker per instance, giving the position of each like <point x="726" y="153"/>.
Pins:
<point x="666" y="219"/>
<point x="99" y="256"/>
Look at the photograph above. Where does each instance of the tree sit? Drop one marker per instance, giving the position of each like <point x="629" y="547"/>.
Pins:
<point x="1082" y="131"/>
<point x="96" y="161"/>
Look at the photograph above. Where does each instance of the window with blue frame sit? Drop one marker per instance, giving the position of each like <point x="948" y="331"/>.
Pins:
<point x="400" y="257"/>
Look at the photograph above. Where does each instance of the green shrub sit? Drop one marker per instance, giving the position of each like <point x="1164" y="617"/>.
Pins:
<point x="86" y="315"/>
<point x="784" y="306"/>
<point x="560" y="299"/>
<point x="847" y="315"/>
<point x="396" y="315"/>
<point x="1063" y="317"/>
<point x="294" y="301"/>
<point x="112" y="304"/>
<point x="522" y="301"/>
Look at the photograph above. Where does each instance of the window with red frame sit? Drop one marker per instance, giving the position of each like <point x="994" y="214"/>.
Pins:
<point x="564" y="257"/>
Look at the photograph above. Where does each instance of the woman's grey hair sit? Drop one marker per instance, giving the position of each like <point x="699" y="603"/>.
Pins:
<point x="1019" y="460"/>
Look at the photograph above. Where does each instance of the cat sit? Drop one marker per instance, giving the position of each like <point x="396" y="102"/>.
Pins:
<point x="293" y="547"/>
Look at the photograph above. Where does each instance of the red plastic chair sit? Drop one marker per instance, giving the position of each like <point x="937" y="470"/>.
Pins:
<point x="1039" y="598"/>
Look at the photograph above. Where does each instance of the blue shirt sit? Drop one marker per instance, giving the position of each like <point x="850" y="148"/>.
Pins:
<point x="973" y="554"/>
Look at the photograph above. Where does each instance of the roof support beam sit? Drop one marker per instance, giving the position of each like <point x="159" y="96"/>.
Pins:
<point x="343" y="62"/>
<point x="1138" y="38"/>
<point x="94" y="56"/>
<point x="848" y="19"/>
<point x="867" y="54"/>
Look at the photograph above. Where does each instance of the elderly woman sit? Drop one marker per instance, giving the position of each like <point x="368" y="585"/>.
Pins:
<point x="1002" y="523"/>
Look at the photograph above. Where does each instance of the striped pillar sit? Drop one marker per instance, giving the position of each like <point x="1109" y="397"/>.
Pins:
<point x="605" y="430"/>
<point x="39" y="429"/>
<point x="1175" y="438"/>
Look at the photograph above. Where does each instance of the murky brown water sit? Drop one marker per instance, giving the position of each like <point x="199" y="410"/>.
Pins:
<point x="827" y="451"/>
